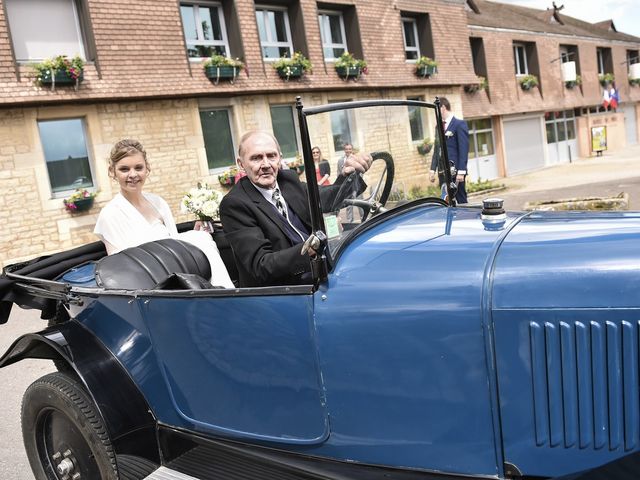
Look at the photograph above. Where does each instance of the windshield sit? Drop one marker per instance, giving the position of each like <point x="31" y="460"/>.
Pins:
<point x="400" y="138"/>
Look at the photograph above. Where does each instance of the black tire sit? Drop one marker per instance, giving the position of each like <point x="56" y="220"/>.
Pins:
<point x="61" y="427"/>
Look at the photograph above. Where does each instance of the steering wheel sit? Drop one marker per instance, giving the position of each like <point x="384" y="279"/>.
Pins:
<point x="380" y="191"/>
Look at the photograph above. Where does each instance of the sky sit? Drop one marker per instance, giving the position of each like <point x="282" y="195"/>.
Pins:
<point x="624" y="13"/>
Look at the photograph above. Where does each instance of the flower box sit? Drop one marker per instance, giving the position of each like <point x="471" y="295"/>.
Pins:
<point x="527" y="82"/>
<point x="426" y="71"/>
<point x="80" y="201"/>
<point x="348" y="72"/>
<point x="471" y="88"/>
<point x="226" y="181"/>
<point x="606" y="79"/>
<point x="298" y="168"/>
<point x="424" y="149"/>
<point x="83" y="205"/>
<point x="292" y="71"/>
<point x="222" y="72"/>
<point x="61" y="77"/>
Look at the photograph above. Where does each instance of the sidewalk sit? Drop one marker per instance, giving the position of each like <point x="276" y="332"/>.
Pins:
<point x="620" y="165"/>
<point x="605" y="176"/>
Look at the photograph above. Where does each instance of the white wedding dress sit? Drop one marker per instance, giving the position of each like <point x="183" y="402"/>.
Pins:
<point x="123" y="226"/>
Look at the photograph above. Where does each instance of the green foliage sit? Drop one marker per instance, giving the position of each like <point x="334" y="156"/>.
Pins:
<point x="634" y="82"/>
<point x="285" y="64"/>
<point x="574" y="83"/>
<point x="527" y="82"/>
<point x="73" y="67"/>
<point x="222" y="61"/>
<point x="426" y="62"/>
<point x="418" y="191"/>
<point x="606" y="78"/>
<point x="347" y="60"/>
<point x="481" y="185"/>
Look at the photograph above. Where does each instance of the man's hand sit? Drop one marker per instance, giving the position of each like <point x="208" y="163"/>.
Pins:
<point x="460" y="177"/>
<point x="357" y="163"/>
<point x="432" y="176"/>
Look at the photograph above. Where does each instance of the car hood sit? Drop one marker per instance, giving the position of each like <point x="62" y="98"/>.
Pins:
<point x="535" y="259"/>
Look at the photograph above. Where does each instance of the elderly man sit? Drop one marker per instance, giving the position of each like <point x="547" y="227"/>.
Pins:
<point x="266" y="215"/>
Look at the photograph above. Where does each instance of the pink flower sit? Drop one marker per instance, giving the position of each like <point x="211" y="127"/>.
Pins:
<point x="365" y="70"/>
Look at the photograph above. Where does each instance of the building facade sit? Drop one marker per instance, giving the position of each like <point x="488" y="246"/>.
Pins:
<point x="144" y="79"/>
<point x="551" y="123"/>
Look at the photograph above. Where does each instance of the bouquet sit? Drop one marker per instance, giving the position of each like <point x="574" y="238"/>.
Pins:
<point x="204" y="202"/>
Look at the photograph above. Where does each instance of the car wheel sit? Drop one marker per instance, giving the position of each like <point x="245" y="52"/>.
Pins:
<point x="63" y="433"/>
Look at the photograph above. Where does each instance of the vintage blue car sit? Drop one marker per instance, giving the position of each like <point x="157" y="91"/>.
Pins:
<point x="433" y="341"/>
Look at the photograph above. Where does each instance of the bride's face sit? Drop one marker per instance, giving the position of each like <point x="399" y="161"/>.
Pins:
<point x="131" y="172"/>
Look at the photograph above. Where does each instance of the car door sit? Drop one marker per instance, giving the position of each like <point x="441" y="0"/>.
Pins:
<point x="242" y="364"/>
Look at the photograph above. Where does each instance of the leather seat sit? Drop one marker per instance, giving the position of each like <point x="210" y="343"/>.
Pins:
<point x="149" y="266"/>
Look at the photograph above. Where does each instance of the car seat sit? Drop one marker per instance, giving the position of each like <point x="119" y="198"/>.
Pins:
<point x="167" y="264"/>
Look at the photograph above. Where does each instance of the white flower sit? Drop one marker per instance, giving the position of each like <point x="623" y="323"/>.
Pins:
<point x="203" y="201"/>
<point x="448" y="134"/>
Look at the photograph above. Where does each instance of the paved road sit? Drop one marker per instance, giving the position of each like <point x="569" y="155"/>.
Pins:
<point x="14" y="380"/>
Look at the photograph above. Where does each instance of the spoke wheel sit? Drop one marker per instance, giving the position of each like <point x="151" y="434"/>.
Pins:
<point x="63" y="434"/>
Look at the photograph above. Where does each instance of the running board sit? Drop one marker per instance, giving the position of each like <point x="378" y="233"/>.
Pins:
<point x="164" y="473"/>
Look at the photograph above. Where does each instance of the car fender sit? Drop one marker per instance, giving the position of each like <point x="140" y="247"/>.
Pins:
<point x="124" y="410"/>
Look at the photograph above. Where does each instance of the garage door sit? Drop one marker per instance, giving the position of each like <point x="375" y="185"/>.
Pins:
<point x="524" y="145"/>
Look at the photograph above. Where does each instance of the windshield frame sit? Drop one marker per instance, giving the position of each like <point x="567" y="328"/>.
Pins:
<point x="325" y="262"/>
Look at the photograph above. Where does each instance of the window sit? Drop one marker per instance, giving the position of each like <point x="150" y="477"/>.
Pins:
<point x="416" y="32"/>
<point x="560" y="126"/>
<point x="416" y="122"/>
<point x="520" y="57"/>
<point x="284" y="129"/>
<point x="478" y="57"/>
<point x="218" y="140"/>
<point x="204" y="30"/>
<point x="480" y="138"/>
<point x="334" y="38"/>
<point x="65" y="151"/>
<point x="275" y="33"/>
<point x="410" y="34"/>
<point x="42" y="29"/>
<point x="604" y="61"/>
<point x="632" y="59"/>
<point x="600" y="60"/>
<point x="341" y="128"/>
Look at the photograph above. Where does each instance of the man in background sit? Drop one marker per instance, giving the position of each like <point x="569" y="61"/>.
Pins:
<point x="456" y="134"/>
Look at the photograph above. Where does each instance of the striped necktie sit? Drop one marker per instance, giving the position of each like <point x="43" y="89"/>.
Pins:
<point x="277" y="199"/>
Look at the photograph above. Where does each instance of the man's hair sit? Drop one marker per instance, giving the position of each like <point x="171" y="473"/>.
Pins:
<point x="444" y="102"/>
<point x="347" y="143"/>
<point x="250" y="134"/>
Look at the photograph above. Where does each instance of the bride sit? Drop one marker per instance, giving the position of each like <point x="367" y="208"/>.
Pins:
<point x="134" y="217"/>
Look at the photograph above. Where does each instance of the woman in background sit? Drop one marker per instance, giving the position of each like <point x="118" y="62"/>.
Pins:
<point x="323" y="170"/>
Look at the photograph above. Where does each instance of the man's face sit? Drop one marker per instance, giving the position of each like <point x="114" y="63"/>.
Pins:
<point x="348" y="150"/>
<point x="260" y="160"/>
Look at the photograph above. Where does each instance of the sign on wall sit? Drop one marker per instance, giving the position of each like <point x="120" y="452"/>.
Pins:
<point x="598" y="139"/>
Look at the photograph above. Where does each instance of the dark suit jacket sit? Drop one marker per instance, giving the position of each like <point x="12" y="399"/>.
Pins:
<point x="457" y="138"/>
<point x="457" y="145"/>
<point x="264" y="253"/>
